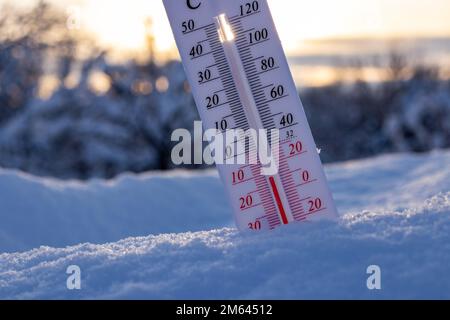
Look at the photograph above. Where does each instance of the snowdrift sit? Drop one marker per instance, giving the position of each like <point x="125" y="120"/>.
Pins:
<point x="395" y="213"/>
<point x="35" y="212"/>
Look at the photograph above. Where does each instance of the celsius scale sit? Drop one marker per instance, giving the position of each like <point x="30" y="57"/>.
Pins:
<point x="240" y="79"/>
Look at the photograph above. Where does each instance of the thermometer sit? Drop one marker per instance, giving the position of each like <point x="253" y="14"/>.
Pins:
<point x="240" y="79"/>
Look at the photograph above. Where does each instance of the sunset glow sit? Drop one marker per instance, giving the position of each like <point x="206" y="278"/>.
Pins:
<point x="307" y="28"/>
<point x="122" y="24"/>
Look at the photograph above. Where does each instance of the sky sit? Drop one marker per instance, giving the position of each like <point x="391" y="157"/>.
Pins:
<point x="121" y="23"/>
<point x="306" y="28"/>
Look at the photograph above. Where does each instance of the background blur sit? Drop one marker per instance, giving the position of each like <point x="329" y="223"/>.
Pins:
<point x="93" y="88"/>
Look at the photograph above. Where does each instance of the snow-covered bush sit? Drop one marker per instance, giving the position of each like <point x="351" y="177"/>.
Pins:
<point x="363" y="120"/>
<point x="100" y="119"/>
<point x="79" y="133"/>
<point x="422" y="120"/>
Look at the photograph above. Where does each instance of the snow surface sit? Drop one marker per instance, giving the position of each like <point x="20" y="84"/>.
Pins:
<point x="395" y="213"/>
<point x="37" y="211"/>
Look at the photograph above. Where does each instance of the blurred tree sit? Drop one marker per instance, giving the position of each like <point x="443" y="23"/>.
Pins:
<point x="26" y="40"/>
<point x="103" y="118"/>
<point x="114" y="118"/>
<point x="408" y="111"/>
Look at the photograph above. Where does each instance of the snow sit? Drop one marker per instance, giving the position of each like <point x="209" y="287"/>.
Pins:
<point x="36" y="211"/>
<point x="395" y="213"/>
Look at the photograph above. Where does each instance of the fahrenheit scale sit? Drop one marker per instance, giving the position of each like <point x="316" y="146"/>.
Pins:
<point x="240" y="79"/>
